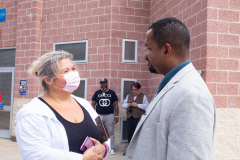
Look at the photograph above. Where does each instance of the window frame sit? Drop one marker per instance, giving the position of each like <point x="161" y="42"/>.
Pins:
<point x="71" y="42"/>
<point x="122" y="87"/>
<point x="123" y="51"/>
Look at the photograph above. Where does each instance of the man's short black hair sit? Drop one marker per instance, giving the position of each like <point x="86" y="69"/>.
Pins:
<point x="136" y="85"/>
<point x="172" y="31"/>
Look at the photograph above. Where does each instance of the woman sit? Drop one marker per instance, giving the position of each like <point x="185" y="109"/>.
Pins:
<point x="55" y="124"/>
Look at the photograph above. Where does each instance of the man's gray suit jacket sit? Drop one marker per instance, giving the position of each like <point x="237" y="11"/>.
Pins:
<point x="179" y="123"/>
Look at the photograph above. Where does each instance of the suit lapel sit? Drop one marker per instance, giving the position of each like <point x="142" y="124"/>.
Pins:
<point x="165" y="89"/>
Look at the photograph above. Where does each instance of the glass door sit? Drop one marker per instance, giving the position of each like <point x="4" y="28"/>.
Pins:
<point x="6" y="102"/>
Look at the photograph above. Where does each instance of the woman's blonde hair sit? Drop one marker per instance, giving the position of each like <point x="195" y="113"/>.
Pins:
<point x="47" y="65"/>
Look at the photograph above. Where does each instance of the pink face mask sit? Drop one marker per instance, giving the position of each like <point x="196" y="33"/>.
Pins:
<point x="72" y="81"/>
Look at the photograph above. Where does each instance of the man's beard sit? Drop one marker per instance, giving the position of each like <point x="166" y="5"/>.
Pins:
<point x="104" y="89"/>
<point x="150" y="67"/>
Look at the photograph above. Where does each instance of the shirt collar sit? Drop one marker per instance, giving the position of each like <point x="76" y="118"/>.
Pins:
<point x="170" y="74"/>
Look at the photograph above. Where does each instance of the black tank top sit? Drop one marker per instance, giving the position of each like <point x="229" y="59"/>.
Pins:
<point x="77" y="132"/>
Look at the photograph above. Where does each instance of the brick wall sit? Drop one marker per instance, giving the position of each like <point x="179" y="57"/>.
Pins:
<point x="8" y="28"/>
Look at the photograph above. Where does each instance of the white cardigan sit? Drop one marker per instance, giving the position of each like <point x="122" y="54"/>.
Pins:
<point x="40" y="135"/>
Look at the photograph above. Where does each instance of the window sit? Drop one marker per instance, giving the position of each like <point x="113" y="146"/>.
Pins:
<point x="129" y="51"/>
<point x="123" y="131"/>
<point x="126" y="87"/>
<point x="79" y="49"/>
<point x="7" y="55"/>
<point x="82" y="89"/>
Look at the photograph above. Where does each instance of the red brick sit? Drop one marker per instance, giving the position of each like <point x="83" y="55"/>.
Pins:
<point x="98" y="27"/>
<point x="80" y="21"/>
<point x="216" y="76"/>
<point x="80" y="6"/>
<point x="228" y="15"/>
<point x="234" y="52"/>
<point x="126" y="27"/>
<point x="104" y="34"/>
<point x="68" y="8"/>
<point x="133" y="35"/>
<point x="86" y="13"/>
<point x="57" y="10"/>
<point x="234" y="77"/>
<point x="212" y="88"/>
<point x="74" y="30"/>
<point x="98" y="11"/>
<point x="142" y="12"/>
<point x="212" y="38"/>
<point x="211" y="63"/>
<point x="220" y="101"/>
<point x="186" y="13"/>
<point x="62" y="16"/>
<point x="62" y="31"/>
<point x="125" y="74"/>
<point x="141" y="28"/>
<point x="91" y="20"/>
<point x="74" y="15"/>
<point x="217" y="51"/>
<point x="201" y="40"/>
<point x="234" y="28"/>
<point x="126" y="11"/>
<point x="212" y="13"/>
<point x="68" y="23"/>
<point x="191" y="21"/>
<point x="216" y="26"/>
<point x="86" y="28"/>
<point x="98" y="42"/>
<point x="119" y="34"/>
<point x="93" y="4"/>
<point x="195" y="53"/>
<point x="234" y="102"/>
<point x="119" y="18"/>
<point x="235" y="4"/>
<point x="137" y="4"/>
<point x="119" y="3"/>
<point x="67" y="38"/>
<point x="197" y="7"/>
<point x="104" y="3"/>
<point x="227" y="89"/>
<point x="218" y="3"/>
<point x="196" y="30"/>
<point x="104" y="18"/>
<point x="229" y="40"/>
<point x="115" y="10"/>
<point x="103" y="49"/>
<point x="96" y="58"/>
<point x="108" y="10"/>
<point x="62" y="2"/>
<point x="228" y="64"/>
<point x="55" y="39"/>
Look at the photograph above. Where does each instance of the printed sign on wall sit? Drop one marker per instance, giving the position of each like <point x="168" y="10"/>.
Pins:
<point x="22" y="87"/>
<point x="2" y="14"/>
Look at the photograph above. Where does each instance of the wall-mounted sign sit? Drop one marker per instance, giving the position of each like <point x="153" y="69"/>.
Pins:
<point x="23" y="87"/>
<point x="2" y="14"/>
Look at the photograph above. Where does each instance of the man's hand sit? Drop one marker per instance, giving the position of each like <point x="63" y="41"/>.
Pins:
<point x="133" y="104"/>
<point x="115" y="120"/>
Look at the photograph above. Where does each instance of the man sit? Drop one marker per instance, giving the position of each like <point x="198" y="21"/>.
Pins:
<point x="105" y="101"/>
<point x="135" y="104"/>
<point x="180" y="121"/>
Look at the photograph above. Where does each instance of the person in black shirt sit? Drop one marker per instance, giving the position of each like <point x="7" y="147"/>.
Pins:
<point x="105" y="102"/>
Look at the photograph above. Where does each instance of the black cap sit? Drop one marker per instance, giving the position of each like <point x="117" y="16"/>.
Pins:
<point x="103" y="80"/>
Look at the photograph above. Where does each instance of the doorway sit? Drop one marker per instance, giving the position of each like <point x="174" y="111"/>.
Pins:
<point x="6" y="90"/>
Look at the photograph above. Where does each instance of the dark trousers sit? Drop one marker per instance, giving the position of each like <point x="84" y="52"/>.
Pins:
<point x="131" y="126"/>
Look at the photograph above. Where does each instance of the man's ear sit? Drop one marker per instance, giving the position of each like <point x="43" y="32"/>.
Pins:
<point x="168" y="49"/>
<point x="47" y="80"/>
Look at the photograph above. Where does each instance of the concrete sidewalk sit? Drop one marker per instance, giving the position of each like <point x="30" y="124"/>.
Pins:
<point x="9" y="151"/>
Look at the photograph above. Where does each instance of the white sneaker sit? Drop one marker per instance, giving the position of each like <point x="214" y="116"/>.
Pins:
<point x="112" y="152"/>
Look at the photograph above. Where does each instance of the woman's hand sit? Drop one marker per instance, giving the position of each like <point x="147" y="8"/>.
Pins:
<point x="91" y="154"/>
<point x="99" y="148"/>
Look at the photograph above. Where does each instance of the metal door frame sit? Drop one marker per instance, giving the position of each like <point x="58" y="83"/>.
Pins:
<point x="7" y="133"/>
